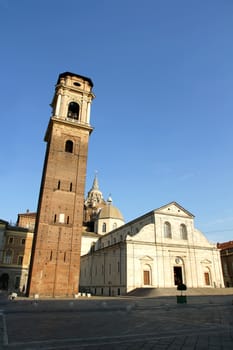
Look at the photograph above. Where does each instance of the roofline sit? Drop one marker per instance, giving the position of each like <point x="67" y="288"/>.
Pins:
<point x="28" y="214"/>
<point x="63" y="75"/>
<point x="3" y="221"/>
<point x="178" y="205"/>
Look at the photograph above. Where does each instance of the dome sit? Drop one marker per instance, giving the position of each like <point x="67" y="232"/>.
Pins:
<point x="109" y="211"/>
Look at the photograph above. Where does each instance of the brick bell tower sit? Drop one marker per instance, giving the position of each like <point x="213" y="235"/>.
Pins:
<point x="55" y="262"/>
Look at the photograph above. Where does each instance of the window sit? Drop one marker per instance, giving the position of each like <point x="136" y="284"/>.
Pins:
<point x="71" y="187"/>
<point x="68" y="220"/>
<point x="59" y="185"/>
<point x="8" y="257"/>
<point x="69" y="146"/>
<point x="61" y="218"/>
<point x="10" y="240"/>
<point x="17" y="282"/>
<point x="55" y="218"/>
<point x="76" y="84"/>
<point x="23" y="241"/>
<point x="225" y="269"/>
<point x="114" y="226"/>
<point x="104" y="227"/>
<point x="20" y="260"/>
<point x="183" y="232"/>
<point x="73" y="111"/>
<point x="167" y="230"/>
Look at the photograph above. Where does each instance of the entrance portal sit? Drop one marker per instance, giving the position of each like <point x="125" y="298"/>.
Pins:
<point x="178" y="279"/>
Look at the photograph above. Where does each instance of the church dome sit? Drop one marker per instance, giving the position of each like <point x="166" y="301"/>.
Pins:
<point x="108" y="218"/>
<point x="110" y="212"/>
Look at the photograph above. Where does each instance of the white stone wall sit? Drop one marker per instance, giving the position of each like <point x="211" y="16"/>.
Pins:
<point x="87" y="242"/>
<point x="103" y="271"/>
<point x="137" y="255"/>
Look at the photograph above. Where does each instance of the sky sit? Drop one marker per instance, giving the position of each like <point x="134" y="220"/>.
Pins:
<point x="162" y="117"/>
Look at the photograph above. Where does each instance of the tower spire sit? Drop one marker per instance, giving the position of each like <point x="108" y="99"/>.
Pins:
<point x="95" y="186"/>
<point x="94" y="196"/>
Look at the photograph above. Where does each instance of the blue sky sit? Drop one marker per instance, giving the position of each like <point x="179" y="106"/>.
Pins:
<point x="163" y="78"/>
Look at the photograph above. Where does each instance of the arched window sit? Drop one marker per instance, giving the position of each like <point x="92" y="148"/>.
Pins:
<point x="73" y="111"/>
<point x="69" y="146"/>
<point x="114" y="226"/>
<point x="104" y="227"/>
<point x="59" y="185"/>
<point x="71" y="187"/>
<point x="183" y="232"/>
<point x="167" y="230"/>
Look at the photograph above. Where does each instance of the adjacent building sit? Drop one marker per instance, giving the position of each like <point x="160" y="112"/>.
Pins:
<point x="15" y="254"/>
<point x="226" y="251"/>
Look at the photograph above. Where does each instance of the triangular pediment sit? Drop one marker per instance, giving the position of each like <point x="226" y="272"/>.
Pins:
<point x="206" y="262"/>
<point x="146" y="258"/>
<point x="175" y="209"/>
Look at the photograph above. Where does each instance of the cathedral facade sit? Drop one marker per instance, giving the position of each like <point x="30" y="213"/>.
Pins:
<point x="160" y="249"/>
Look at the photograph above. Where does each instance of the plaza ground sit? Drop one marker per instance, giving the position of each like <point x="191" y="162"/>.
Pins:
<point x="205" y="322"/>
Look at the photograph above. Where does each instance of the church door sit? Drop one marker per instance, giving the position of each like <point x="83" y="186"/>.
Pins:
<point x="207" y="278"/>
<point x="146" y="275"/>
<point x="178" y="279"/>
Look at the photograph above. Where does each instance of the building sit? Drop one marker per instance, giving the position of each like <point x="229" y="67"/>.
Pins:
<point x="226" y="251"/>
<point x="27" y="220"/>
<point x="160" y="249"/>
<point x="15" y="254"/>
<point x="57" y="244"/>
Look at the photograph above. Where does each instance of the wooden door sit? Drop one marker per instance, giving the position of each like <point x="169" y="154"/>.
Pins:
<point x="207" y="278"/>
<point x="146" y="277"/>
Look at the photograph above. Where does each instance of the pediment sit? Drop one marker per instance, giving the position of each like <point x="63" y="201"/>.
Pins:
<point x="206" y="262"/>
<point x="146" y="258"/>
<point x="175" y="209"/>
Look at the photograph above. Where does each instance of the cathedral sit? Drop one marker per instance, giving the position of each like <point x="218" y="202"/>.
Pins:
<point x="160" y="249"/>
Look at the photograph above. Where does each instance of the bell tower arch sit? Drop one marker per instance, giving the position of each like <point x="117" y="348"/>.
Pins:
<point x="56" y="249"/>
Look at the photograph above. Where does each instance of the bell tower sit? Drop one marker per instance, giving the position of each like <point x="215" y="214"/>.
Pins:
<point x="55" y="262"/>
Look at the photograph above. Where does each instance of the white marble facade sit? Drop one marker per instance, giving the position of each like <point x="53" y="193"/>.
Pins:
<point x="159" y="249"/>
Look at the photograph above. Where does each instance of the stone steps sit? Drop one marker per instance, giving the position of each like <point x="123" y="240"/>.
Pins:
<point x="157" y="292"/>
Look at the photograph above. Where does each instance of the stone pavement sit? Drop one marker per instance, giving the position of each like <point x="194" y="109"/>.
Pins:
<point x="124" y="323"/>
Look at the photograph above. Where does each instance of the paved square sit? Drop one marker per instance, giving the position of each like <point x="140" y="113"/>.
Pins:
<point x="117" y="323"/>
